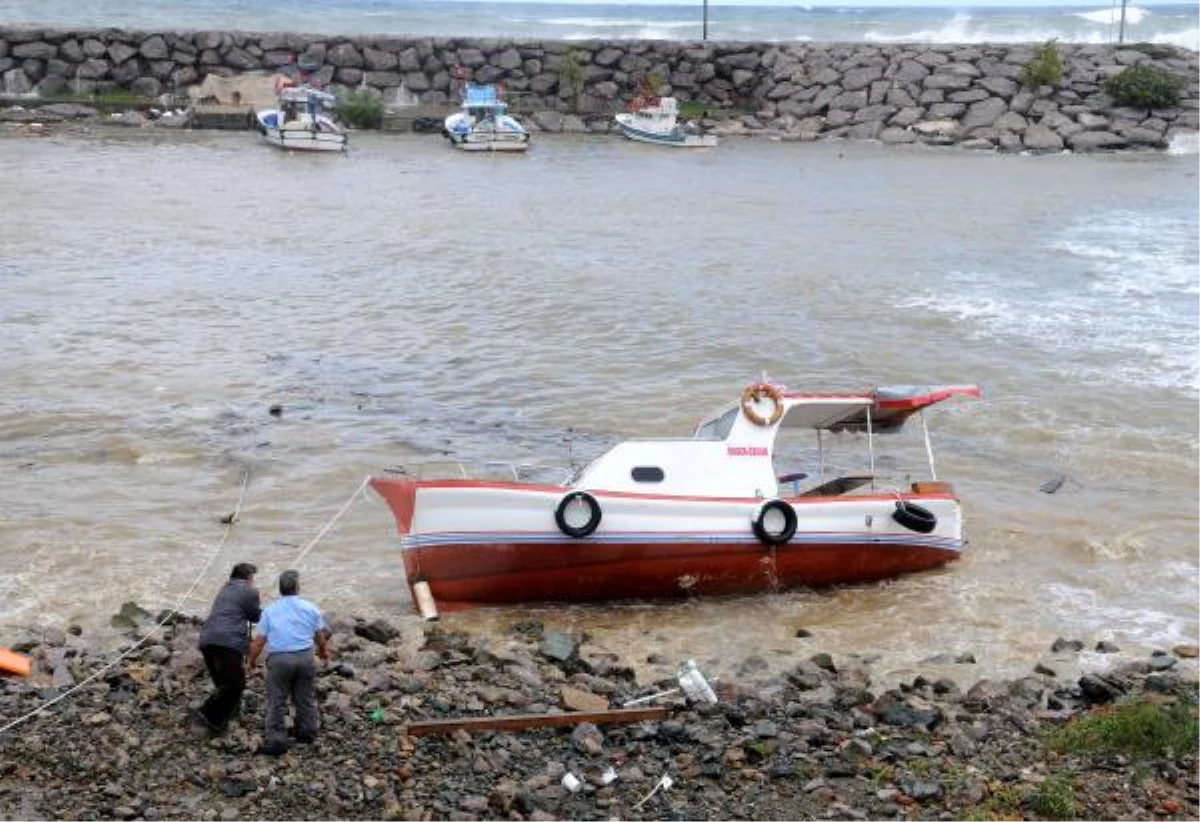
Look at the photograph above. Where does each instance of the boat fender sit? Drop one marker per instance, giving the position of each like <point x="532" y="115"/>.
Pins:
<point x="569" y="511"/>
<point x="914" y="517"/>
<point x="774" y="522"/>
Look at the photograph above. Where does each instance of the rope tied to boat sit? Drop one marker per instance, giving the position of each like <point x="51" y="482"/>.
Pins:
<point x="168" y="615"/>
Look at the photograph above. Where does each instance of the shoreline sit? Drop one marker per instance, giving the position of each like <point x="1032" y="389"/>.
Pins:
<point x="977" y="96"/>
<point x="823" y="740"/>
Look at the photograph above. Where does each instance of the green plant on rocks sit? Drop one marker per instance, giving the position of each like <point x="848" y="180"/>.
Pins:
<point x="1046" y="67"/>
<point x="1139" y="730"/>
<point x="572" y="74"/>
<point x="1145" y="86"/>
<point x="361" y="108"/>
<point x="1055" y="798"/>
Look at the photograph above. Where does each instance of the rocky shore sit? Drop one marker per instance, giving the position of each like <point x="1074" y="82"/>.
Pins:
<point x="972" y="95"/>
<point x="821" y="742"/>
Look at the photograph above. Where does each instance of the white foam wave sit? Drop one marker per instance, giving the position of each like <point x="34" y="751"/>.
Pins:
<point x="1112" y="16"/>
<point x="619" y="22"/>
<point x="1184" y="144"/>
<point x="1189" y="39"/>
<point x="962" y="28"/>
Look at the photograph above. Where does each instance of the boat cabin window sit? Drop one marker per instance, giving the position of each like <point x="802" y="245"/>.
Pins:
<point x="647" y="473"/>
<point x="718" y="429"/>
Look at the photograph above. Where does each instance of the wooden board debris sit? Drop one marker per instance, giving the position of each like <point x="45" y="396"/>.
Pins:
<point x="520" y="722"/>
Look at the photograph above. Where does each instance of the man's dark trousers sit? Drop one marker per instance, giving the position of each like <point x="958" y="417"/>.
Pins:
<point x="227" y="668"/>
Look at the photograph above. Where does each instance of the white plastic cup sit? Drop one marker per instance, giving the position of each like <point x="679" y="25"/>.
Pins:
<point x="695" y="685"/>
<point x="571" y="782"/>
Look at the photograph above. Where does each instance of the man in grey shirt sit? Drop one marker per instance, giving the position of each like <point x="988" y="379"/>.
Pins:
<point x="224" y="640"/>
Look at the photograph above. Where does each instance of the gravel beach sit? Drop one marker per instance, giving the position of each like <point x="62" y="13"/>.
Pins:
<point x="110" y="738"/>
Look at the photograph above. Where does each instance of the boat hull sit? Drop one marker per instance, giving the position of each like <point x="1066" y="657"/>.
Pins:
<point x="495" y="543"/>
<point x="326" y="137"/>
<point x="675" y="137"/>
<point x="305" y="140"/>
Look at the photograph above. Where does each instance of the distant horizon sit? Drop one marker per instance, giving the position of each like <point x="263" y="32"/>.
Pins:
<point x="961" y="5"/>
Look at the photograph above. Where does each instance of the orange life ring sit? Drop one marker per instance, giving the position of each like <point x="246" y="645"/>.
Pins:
<point x="759" y="391"/>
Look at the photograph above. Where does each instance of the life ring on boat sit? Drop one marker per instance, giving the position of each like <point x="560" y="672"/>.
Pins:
<point x="774" y="522"/>
<point x="914" y="517"/>
<point x="568" y="514"/>
<point x="759" y="391"/>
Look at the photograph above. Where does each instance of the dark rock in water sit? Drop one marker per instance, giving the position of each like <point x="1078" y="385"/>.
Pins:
<point x="377" y="631"/>
<point x="276" y="410"/>
<point x="131" y="616"/>
<point x="1052" y="485"/>
<point x="1105" y="647"/>
<point x="824" y="662"/>
<point x="803" y="633"/>
<point x="1060" y="645"/>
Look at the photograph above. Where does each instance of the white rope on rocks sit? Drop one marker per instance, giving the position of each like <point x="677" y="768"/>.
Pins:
<point x="153" y="631"/>
<point x="229" y="523"/>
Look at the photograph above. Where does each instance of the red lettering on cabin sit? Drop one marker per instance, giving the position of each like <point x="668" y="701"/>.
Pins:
<point x="746" y="451"/>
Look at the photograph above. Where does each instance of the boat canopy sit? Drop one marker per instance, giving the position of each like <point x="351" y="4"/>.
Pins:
<point x="481" y="97"/>
<point x="884" y="409"/>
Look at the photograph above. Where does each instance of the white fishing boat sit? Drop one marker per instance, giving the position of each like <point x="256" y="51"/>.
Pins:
<point x="300" y="122"/>
<point x="712" y="514"/>
<point x="484" y="123"/>
<point x="653" y="119"/>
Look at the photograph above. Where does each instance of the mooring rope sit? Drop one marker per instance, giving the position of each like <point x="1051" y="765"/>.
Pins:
<point x="167" y="616"/>
<point x="360" y="491"/>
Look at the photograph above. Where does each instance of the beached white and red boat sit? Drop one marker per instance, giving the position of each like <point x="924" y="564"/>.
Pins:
<point x="708" y="515"/>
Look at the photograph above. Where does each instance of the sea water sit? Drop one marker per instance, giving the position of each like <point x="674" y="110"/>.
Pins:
<point x="162" y="292"/>
<point x="1173" y="24"/>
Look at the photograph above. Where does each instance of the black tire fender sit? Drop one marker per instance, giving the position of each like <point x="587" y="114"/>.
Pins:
<point x="564" y="510"/>
<point x="914" y="517"/>
<point x="765" y="522"/>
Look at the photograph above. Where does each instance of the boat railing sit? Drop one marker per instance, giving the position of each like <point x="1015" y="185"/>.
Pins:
<point x="493" y="470"/>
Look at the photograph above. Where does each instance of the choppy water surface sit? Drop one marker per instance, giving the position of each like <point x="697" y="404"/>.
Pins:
<point x="161" y="293"/>
<point x="774" y="20"/>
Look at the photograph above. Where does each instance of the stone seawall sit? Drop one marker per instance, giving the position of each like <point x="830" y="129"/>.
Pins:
<point x="896" y="93"/>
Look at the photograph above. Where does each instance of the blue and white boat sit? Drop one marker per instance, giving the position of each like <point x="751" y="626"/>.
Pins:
<point x="656" y="120"/>
<point x="484" y="123"/>
<point x="300" y="122"/>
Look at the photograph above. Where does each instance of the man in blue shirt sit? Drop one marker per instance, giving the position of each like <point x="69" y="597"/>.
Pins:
<point x="288" y="630"/>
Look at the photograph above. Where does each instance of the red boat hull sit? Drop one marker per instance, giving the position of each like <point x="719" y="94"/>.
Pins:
<point x="463" y="575"/>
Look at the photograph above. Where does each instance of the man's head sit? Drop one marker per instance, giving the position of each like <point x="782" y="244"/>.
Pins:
<point x="289" y="583"/>
<point x="243" y="570"/>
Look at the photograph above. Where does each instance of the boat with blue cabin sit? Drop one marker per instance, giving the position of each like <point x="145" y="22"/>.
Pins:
<point x="484" y="124"/>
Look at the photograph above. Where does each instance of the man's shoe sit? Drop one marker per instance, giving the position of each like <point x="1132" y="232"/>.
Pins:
<point x="199" y="718"/>
<point x="306" y="739"/>
<point x="271" y="750"/>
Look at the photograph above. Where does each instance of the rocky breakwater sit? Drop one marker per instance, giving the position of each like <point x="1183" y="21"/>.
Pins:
<point x="822" y="741"/>
<point x="974" y="95"/>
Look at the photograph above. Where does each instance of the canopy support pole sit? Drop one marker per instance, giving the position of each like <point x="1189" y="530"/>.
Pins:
<point x="871" y="446"/>
<point x="820" y="456"/>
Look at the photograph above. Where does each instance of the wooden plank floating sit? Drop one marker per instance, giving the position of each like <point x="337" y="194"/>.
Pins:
<point x="520" y="722"/>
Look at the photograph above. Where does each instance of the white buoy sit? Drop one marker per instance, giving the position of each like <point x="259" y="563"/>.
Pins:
<point x="425" y="604"/>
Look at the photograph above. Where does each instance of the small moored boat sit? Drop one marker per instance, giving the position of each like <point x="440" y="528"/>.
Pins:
<point x="708" y="515"/>
<point x="653" y="119"/>
<point x="484" y="123"/>
<point x="300" y="122"/>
